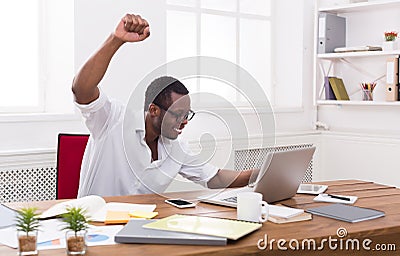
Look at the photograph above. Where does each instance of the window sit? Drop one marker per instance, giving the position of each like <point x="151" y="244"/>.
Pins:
<point x="244" y="32"/>
<point x="37" y="56"/>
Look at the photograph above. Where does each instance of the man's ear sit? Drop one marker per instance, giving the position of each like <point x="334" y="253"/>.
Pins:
<point x="154" y="110"/>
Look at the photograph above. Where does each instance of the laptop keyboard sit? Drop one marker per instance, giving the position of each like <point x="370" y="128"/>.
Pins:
<point x="232" y="199"/>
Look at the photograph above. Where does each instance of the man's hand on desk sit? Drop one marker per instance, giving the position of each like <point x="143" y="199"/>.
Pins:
<point x="230" y="178"/>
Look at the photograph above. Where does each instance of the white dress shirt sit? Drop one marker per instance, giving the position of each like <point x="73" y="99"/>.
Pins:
<point x="110" y="169"/>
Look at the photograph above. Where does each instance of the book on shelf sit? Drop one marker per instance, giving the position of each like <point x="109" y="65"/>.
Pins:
<point x="338" y="88"/>
<point x="358" y="48"/>
<point x="392" y="79"/>
<point x="329" y="94"/>
<point x="398" y="78"/>
<point x="96" y="208"/>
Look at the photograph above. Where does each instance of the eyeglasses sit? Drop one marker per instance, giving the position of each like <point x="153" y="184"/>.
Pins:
<point x="179" y="117"/>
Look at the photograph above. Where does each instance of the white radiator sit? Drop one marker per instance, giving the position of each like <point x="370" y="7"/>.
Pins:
<point x="30" y="184"/>
<point x="253" y="158"/>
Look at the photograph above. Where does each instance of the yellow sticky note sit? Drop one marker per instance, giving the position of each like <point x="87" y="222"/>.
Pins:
<point x="141" y="214"/>
<point x="114" y="217"/>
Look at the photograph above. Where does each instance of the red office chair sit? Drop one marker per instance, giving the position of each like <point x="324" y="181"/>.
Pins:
<point x="69" y="158"/>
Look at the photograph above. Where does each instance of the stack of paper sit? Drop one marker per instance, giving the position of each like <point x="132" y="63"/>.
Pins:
<point x="122" y="217"/>
<point x="48" y="230"/>
<point x="133" y="232"/>
<point x="283" y="211"/>
<point x="282" y="214"/>
<point x="96" y="208"/>
<point x="301" y="217"/>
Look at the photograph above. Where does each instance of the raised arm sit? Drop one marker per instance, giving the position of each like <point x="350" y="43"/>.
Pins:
<point x="131" y="28"/>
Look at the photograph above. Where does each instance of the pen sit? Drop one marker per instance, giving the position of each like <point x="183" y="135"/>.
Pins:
<point x="339" y="197"/>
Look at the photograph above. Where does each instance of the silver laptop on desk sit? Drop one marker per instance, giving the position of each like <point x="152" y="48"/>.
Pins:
<point x="279" y="178"/>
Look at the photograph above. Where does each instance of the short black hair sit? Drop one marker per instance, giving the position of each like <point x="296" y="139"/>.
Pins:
<point x="159" y="91"/>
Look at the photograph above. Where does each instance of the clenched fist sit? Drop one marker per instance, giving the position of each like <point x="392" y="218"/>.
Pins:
<point x="132" y="28"/>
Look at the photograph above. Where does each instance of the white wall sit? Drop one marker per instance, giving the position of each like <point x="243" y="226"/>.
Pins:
<point x="95" y="19"/>
<point x="363" y="141"/>
<point x="22" y="137"/>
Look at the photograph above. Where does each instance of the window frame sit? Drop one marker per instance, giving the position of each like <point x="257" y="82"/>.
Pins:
<point x="48" y="83"/>
<point x="198" y="11"/>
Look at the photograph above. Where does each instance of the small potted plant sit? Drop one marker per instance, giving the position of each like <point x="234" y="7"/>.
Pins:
<point x="76" y="225"/>
<point x="27" y="223"/>
<point x="390" y="43"/>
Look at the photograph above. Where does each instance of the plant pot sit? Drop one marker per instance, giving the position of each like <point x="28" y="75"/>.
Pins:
<point x="390" y="46"/>
<point x="76" y="242"/>
<point x="27" y="243"/>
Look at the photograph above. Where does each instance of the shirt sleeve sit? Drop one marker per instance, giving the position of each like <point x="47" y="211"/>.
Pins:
<point x="196" y="170"/>
<point x="100" y="115"/>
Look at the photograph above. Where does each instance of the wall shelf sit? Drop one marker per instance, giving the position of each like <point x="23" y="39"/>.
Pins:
<point x="357" y="54"/>
<point x="358" y="103"/>
<point x="361" y="7"/>
<point x="356" y="66"/>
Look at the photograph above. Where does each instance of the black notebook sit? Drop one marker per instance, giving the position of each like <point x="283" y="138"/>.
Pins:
<point x="347" y="213"/>
<point x="133" y="232"/>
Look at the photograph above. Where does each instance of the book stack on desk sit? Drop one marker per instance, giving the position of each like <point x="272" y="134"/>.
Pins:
<point x="185" y="229"/>
<point x="281" y="214"/>
<point x="228" y="228"/>
<point x="133" y="232"/>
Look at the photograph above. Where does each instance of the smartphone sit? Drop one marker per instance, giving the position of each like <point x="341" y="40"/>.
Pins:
<point x="180" y="203"/>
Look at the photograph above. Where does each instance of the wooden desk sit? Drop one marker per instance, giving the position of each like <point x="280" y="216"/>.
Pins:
<point x="383" y="230"/>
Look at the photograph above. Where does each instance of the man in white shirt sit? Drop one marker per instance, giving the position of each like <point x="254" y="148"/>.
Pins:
<point x="154" y="145"/>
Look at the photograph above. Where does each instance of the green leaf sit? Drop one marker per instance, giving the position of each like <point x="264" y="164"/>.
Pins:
<point x="27" y="219"/>
<point x="75" y="219"/>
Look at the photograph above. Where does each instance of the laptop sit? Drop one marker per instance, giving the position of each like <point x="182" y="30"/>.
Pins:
<point x="279" y="178"/>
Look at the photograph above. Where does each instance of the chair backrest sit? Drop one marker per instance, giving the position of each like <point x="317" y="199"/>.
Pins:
<point x="69" y="159"/>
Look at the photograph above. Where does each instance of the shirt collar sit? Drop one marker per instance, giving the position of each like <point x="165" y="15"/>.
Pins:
<point x="138" y="119"/>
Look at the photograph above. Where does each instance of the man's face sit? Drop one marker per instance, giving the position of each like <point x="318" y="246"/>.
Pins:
<point x="173" y="119"/>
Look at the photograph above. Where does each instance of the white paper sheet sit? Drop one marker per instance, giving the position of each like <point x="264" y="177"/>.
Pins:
<point x="96" y="207"/>
<point x="48" y="230"/>
<point x="328" y="199"/>
<point x="283" y="211"/>
<point x="100" y="216"/>
<point x="97" y="235"/>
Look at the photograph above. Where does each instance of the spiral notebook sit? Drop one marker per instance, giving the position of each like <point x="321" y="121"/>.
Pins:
<point x="231" y="229"/>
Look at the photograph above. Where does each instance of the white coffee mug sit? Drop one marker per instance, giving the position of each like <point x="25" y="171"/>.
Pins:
<point x="251" y="207"/>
